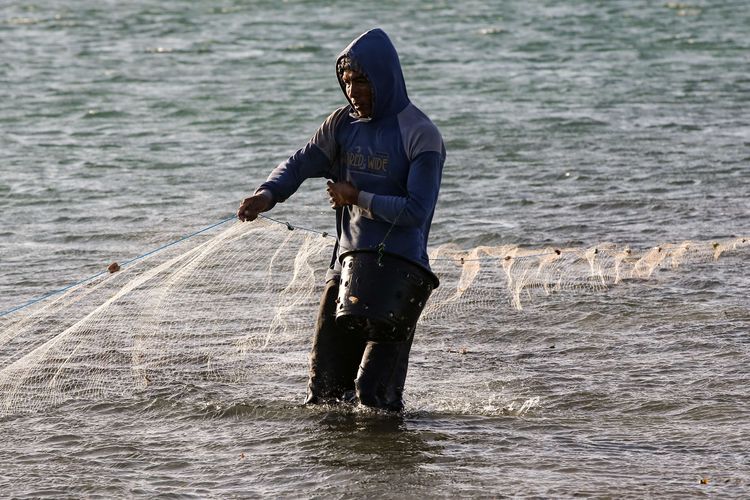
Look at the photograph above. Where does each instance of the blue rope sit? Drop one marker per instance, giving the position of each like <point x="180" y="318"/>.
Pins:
<point x="61" y="290"/>
<point x="207" y="228"/>
<point x="290" y="227"/>
<point x="488" y="259"/>
<point x="223" y="221"/>
<point x="50" y="294"/>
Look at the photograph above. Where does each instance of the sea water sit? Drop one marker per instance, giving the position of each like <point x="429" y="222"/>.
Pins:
<point x="125" y="125"/>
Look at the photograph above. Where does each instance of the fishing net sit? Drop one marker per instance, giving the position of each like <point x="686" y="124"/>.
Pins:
<point x="237" y="306"/>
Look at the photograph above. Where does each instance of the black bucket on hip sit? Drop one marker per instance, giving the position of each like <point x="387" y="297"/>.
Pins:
<point x="382" y="295"/>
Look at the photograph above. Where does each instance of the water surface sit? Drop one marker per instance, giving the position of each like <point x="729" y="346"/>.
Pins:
<point x="566" y="124"/>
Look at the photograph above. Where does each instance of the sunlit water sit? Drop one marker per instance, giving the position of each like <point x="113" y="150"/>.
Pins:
<point x="125" y="125"/>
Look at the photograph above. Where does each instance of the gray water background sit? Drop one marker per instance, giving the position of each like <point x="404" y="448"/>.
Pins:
<point x="126" y="124"/>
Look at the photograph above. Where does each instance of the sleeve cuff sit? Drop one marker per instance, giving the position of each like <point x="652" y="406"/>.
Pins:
<point x="266" y="193"/>
<point x="364" y="200"/>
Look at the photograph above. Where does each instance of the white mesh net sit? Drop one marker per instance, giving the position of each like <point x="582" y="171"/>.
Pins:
<point x="219" y="308"/>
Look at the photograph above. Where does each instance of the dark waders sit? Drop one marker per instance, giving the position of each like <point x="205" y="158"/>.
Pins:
<point x="344" y="365"/>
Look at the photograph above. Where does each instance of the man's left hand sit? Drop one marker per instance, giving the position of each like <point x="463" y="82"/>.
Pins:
<point x="341" y="194"/>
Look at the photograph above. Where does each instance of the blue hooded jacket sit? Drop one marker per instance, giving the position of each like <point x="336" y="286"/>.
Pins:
<point x="395" y="158"/>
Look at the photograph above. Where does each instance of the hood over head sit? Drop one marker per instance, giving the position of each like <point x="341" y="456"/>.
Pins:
<point x="377" y="58"/>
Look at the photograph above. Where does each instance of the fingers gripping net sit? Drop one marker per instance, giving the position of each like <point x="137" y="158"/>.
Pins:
<point x="240" y="306"/>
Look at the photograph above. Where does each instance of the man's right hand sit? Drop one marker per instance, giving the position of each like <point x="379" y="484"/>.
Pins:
<point x="252" y="206"/>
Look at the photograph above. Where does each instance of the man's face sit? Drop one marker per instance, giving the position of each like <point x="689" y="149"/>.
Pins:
<point x="359" y="92"/>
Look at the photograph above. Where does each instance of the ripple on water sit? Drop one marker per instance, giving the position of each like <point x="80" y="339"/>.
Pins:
<point x="564" y="124"/>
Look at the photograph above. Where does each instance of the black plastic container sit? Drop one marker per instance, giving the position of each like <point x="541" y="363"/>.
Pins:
<point x="382" y="296"/>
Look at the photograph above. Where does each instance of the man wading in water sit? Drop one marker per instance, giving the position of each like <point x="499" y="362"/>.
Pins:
<point x="385" y="158"/>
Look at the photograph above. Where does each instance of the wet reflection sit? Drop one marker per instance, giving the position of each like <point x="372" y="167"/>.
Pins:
<point x="371" y="441"/>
